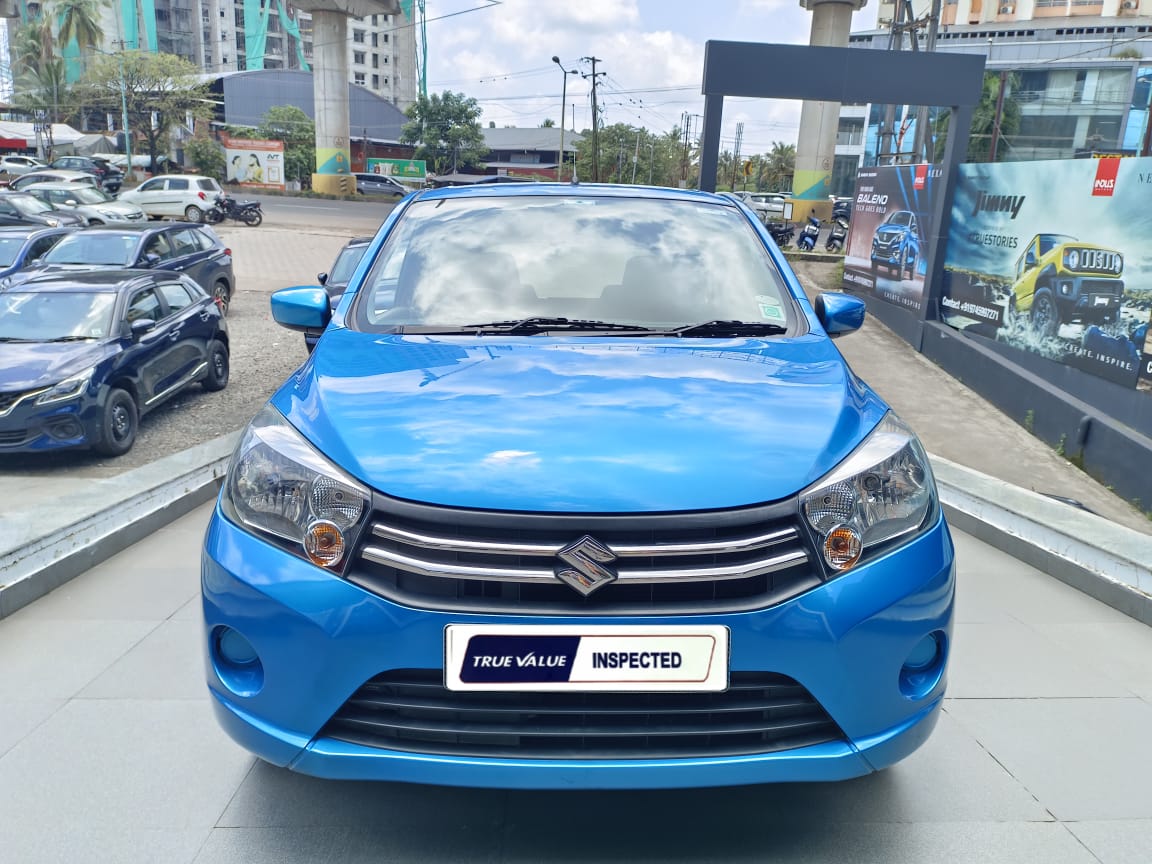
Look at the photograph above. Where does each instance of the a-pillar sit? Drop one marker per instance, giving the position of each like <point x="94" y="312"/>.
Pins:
<point x="816" y="143"/>
<point x="330" y="93"/>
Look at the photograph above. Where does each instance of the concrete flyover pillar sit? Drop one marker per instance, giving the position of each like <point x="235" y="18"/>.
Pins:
<point x="816" y="144"/>
<point x="330" y="86"/>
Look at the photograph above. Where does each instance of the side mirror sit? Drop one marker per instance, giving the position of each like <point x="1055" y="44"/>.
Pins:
<point x="141" y="326"/>
<point x="322" y="278"/>
<point x="839" y="313"/>
<point x="71" y="203"/>
<point x="149" y="259"/>
<point x="302" y="308"/>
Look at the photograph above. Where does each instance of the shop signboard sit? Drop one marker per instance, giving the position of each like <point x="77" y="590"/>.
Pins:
<point x="401" y="169"/>
<point x="1050" y="257"/>
<point x="889" y="233"/>
<point x="253" y="162"/>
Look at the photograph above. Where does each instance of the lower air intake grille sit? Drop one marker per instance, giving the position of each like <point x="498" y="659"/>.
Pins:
<point x="412" y="711"/>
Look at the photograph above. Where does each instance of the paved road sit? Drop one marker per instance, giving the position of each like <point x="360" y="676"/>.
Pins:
<point x="362" y="216"/>
<point x="109" y="753"/>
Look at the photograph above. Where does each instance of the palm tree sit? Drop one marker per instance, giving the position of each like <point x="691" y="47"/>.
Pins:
<point x="79" y="21"/>
<point x="780" y="165"/>
<point x="32" y="45"/>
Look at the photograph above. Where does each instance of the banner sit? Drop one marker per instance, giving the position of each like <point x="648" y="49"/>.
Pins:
<point x="254" y="163"/>
<point x="1051" y="257"/>
<point x="890" y="229"/>
<point x="412" y="169"/>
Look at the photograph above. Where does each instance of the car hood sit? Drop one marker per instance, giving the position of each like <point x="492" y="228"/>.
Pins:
<point x="28" y="365"/>
<point x="580" y="424"/>
<point x="891" y="230"/>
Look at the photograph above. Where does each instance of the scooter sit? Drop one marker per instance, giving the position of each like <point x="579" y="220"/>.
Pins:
<point x="227" y="207"/>
<point x="806" y="242"/>
<point x="838" y="235"/>
<point x="782" y="232"/>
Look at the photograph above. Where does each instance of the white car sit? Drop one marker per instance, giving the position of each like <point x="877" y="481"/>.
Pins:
<point x="53" y="175"/>
<point x="184" y="196"/>
<point x="13" y="164"/>
<point x="95" y="205"/>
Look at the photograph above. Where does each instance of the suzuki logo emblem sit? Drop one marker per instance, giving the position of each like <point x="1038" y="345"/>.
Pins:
<point x="586" y="558"/>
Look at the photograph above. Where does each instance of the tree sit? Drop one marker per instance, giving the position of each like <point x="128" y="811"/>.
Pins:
<point x="778" y="167"/>
<point x="985" y="120"/>
<point x="33" y="45"/>
<point x="548" y="123"/>
<point x="79" y="21"/>
<point x="160" y="90"/>
<point x="207" y="156"/>
<point x="43" y="93"/>
<point x="291" y="125"/>
<point x="446" y="128"/>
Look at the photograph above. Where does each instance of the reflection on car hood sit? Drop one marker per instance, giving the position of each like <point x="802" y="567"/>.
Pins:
<point x="28" y="365"/>
<point x="580" y="424"/>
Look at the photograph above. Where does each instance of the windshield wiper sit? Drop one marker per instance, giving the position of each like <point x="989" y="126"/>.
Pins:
<point x="541" y="324"/>
<point x="16" y="339"/>
<point x="67" y="339"/>
<point x="722" y="327"/>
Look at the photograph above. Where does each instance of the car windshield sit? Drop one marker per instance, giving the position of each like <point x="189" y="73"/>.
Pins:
<point x="46" y="316"/>
<point x="94" y="248"/>
<point x="1048" y="242"/>
<point x="901" y="217"/>
<point x="88" y="195"/>
<point x="650" y="262"/>
<point x="29" y="204"/>
<point x="9" y="250"/>
<point x="346" y="263"/>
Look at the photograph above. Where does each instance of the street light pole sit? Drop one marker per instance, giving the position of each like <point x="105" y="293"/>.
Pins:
<point x="563" y="108"/>
<point x="124" y="119"/>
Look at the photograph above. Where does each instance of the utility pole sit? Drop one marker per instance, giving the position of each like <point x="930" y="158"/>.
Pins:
<point x="124" y="111"/>
<point x="635" y="157"/>
<point x="736" y="152"/>
<point x="595" y="119"/>
<point x="651" y="160"/>
<point x="684" y="157"/>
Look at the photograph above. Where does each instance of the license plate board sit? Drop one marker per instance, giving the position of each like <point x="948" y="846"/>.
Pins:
<point x="606" y="658"/>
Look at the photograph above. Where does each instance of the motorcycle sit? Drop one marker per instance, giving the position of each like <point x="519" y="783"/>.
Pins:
<point x="782" y="232"/>
<point x="806" y="242"/>
<point x="838" y="235"/>
<point x="227" y="207"/>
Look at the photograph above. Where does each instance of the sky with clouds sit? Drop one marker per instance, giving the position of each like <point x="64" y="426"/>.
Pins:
<point x="652" y="51"/>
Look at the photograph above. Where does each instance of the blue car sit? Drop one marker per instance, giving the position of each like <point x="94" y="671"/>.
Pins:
<point x="20" y="246"/>
<point x="84" y="355"/>
<point x="576" y="492"/>
<point x="896" y="244"/>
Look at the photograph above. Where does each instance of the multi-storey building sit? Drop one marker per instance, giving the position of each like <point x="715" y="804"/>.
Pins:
<point x="1067" y="67"/>
<point x="236" y="35"/>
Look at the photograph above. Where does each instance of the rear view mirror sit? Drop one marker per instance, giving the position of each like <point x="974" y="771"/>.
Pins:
<point x="322" y="278"/>
<point x="149" y="259"/>
<point x="839" y="313"/>
<point x="303" y="308"/>
<point x="142" y="326"/>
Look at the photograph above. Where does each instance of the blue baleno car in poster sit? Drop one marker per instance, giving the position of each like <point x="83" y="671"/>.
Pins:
<point x="896" y="244"/>
<point x="576" y="491"/>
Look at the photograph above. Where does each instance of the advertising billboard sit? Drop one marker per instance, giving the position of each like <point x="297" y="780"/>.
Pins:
<point x="401" y="169"/>
<point x="1051" y="257"/>
<point x="253" y="162"/>
<point x="889" y="233"/>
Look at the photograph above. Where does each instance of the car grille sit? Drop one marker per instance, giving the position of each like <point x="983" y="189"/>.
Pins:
<point x="442" y="558"/>
<point x="411" y="710"/>
<point x="12" y="437"/>
<point x="8" y="401"/>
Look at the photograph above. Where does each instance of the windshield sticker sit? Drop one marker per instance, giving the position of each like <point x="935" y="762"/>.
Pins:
<point x="770" y="308"/>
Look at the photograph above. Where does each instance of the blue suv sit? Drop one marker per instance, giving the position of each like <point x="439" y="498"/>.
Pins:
<point x="896" y="244"/>
<point x="576" y="491"/>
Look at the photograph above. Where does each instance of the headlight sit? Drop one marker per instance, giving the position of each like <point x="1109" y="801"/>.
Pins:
<point x="110" y="214"/>
<point x="280" y="485"/>
<point x="882" y="491"/>
<point x="1118" y="263"/>
<point x="69" y="388"/>
<point x="1072" y="259"/>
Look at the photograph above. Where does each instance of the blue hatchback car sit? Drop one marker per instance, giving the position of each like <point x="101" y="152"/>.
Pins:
<point x="84" y="355"/>
<point x="576" y="492"/>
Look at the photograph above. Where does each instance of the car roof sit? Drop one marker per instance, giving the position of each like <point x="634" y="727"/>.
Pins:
<point x="63" y="172"/>
<point x="29" y="230"/>
<point x="561" y="190"/>
<point x="64" y="187"/>
<point x="359" y="241"/>
<point x="182" y="177"/>
<point x="97" y="281"/>
<point x="137" y="228"/>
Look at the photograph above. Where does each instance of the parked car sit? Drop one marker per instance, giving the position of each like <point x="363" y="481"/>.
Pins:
<point x="21" y="245"/>
<point x="94" y="205"/>
<point x="108" y="176"/>
<point x="534" y="517"/>
<point x="15" y="164"/>
<point x="48" y="175"/>
<point x="183" y="196"/>
<point x="193" y="250"/>
<point x="20" y="208"/>
<point x="380" y="184"/>
<point x="336" y="279"/>
<point x="84" y="355"/>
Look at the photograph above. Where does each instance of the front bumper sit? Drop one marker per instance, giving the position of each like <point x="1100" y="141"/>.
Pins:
<point x="32" y="428"/>
<point x="320" y="638"/>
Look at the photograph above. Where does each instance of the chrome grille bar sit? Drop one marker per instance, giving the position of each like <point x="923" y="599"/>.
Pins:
<point x="390" y="558"/>
<point x="549" y="550"/>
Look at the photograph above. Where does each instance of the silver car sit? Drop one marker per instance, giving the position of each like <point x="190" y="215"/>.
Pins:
<point x="14" y="164"/>
<point x="182" y="196"/>
<point x="95" y="205"/>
